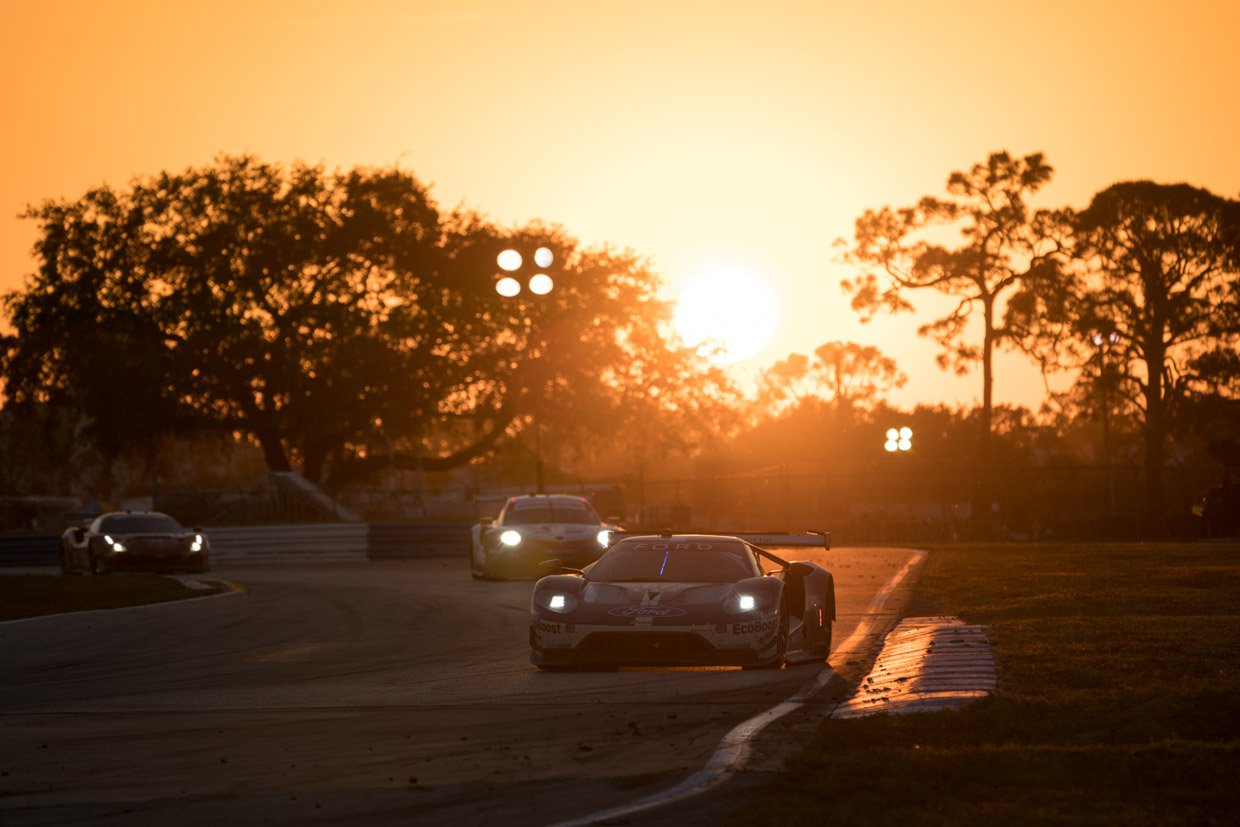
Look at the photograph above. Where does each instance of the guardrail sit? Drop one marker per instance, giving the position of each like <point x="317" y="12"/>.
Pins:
<point x="302" y="543"/>
<point x="320" y="543"/>
<point x="29" y="550"/>
<point x="387" y="541"/>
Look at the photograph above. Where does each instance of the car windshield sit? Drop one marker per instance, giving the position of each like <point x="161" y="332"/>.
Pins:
<point x="678" y="561"/>
<point x="561" y="512"/>
<point x="140" y="524"/>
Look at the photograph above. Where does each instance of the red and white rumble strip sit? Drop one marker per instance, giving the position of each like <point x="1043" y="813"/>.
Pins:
<point x="926" y="664"/>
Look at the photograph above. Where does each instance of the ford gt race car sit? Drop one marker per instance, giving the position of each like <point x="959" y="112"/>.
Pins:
<point x="533" y="529"/>
<point x="133" y="540"/>
<point x="686" y="599"/>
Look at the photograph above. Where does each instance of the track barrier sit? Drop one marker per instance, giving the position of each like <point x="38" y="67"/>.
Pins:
<point x="302" y="543"/>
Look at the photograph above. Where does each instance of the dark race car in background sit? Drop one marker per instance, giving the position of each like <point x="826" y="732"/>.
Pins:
<point x="686" y="599"/>
<point x="534" y="528"/>
<point x="134" y="540"/>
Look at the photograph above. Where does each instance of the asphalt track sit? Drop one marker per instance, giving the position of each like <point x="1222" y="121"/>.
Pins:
<point x="383" y="692"/>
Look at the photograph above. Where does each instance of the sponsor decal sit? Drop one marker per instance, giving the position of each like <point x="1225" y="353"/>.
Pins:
<point x="646" y="611"/>
<point x="544" y="626"/>
<point x="676" y="546"/>
<point x="754" y="628"/>
<point x="643" y="620"/>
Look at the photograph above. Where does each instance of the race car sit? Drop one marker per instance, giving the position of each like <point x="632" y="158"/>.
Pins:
<point x="132" y="540"/>
<point x="686" y="599"/>
<point x="534" y="528"/>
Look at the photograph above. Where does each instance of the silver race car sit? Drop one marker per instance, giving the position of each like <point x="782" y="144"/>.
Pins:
<point x="533" y="529"/>
<point x="686" y="599"/>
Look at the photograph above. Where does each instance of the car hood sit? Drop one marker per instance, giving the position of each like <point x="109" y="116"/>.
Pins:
<point x="655" y="593"/>
<point x="555" y="531"/>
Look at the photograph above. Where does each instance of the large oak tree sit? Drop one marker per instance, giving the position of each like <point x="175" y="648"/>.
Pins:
<point x="339" y="318"/>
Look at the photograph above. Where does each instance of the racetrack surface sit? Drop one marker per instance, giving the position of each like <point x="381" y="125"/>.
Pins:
<point x="392" y="692"/>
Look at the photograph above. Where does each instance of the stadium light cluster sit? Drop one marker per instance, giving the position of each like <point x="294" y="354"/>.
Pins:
<point x="510" y="261"/>
<point x="899" y="439"/>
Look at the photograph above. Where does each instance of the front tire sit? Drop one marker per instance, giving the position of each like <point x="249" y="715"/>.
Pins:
<point x="781" y="643"/>
<point x="97" y="566"/>
<point x="476" y="568"/>
<point x="781" y="638"/>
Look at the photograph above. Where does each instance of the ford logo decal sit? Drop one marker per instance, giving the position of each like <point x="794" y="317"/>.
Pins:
<point x="646" y="611"/>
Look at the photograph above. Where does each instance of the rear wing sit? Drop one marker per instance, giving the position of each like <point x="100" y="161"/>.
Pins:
<point x="804" y="539"/>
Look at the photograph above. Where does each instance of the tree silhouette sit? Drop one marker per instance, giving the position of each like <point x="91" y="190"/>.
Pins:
<point x="1156" y="289"/>
<point x="1004" y="243"/>
<point x="847" y="374"/>
<point x="338" y="318"/>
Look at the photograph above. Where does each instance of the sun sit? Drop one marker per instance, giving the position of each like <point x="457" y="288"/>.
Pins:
<point x="729" y="312"/>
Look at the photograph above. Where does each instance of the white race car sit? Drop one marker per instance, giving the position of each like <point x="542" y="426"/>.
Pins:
<point x="686" y="599"/>
<point x="533" y="529"/>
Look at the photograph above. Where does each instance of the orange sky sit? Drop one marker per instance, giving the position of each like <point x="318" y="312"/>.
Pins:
<point x="700" y="134"/>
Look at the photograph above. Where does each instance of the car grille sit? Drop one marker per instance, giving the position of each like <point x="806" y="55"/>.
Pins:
<point x="568" y="552"/>
<point x="154" y="546"/>
<point x="661" y="646"/>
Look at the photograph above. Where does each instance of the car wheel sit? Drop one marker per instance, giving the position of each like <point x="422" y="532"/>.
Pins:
<point x="781" y="637"/>
<point x="781" y="643"/>
<point x="476" y="568"/>
<point x="97" y="566"/>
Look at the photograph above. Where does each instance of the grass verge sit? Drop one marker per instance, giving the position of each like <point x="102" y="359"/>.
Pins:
<point x="31" y="595"/>
<point x="1118" y="699"/>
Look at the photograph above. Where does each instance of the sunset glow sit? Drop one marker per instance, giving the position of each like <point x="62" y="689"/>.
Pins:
<point x="750" y="129"/>
<point x="729" y="312"/>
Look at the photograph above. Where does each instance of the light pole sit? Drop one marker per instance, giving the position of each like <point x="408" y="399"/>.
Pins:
<point x="510" y="262"/>
<point x="1103" y="341"/>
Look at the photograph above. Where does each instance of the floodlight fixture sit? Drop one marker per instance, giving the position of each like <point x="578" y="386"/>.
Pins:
<point x="508" y="260"/>
<point x="541" y="284"/>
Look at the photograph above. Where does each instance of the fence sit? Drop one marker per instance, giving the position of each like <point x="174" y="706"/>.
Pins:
<point x="923" y="502"/>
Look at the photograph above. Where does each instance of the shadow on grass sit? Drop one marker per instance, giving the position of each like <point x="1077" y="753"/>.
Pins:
<point x="1118" y="699"/>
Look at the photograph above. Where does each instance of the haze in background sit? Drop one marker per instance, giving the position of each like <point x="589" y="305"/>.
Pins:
<point x="703" y="135"/>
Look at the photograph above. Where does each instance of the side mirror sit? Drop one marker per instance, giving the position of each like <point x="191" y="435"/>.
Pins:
<point x="800" y="570"/>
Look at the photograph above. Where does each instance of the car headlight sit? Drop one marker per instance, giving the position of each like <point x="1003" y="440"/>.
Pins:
<point x="741" y="602"/>
<point x="115" y="545"/>
<point x="604" y="537"/>
<point x="561" y="602"/>
<point x="197" y="544"/>
<point x="510" y="538"/>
